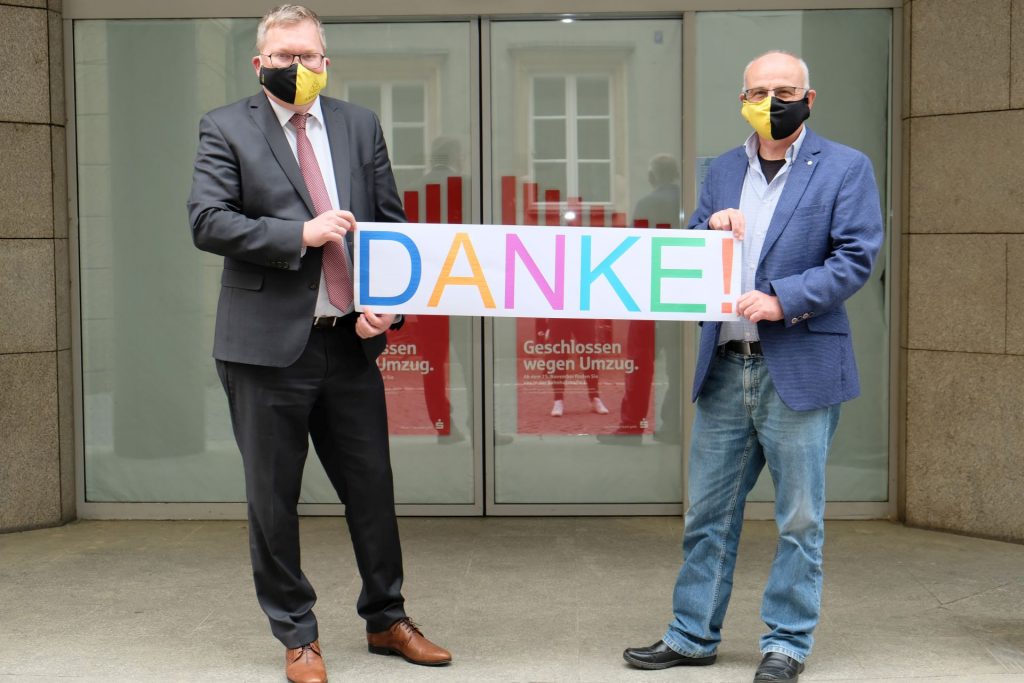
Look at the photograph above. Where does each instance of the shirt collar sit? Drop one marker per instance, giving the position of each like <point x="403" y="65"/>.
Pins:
<point x="752" y="145"/>
<point x="315" y="112"/>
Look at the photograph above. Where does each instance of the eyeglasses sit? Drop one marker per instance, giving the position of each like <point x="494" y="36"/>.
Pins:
<point x="282" y="60"/>
<point x="783" y="92"/>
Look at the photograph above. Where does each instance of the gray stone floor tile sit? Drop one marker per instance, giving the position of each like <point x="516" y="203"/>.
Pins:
<point x="515" y="599"/>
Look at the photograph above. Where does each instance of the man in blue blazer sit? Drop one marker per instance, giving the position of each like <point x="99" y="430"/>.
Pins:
<point x="768" y="386"/>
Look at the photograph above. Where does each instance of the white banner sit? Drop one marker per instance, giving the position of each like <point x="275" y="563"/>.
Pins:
<point x="547" y="272"/>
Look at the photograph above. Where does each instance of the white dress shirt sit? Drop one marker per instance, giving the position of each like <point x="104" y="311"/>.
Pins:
<point x="316" y="131"/>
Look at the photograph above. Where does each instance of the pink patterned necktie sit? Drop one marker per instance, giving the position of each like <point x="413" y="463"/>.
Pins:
<point x="336" y="273"/>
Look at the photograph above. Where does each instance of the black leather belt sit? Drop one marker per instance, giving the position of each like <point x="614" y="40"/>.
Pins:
<point x="325" y="321"/>
<point x="744" y="348"/>
<point x="328" y="321"/>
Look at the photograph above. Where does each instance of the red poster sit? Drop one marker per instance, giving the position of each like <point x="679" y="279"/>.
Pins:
<point x="584" y="376"/>
<point x="579" y="376"/>
<point x="415" y="370"/>
<point x="415" y="362"/>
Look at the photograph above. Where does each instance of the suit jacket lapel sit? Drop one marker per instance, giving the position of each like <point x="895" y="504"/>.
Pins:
<point x="799" y="176"/>
<point x="338" y="134"/>
<point x="265" y="118"/>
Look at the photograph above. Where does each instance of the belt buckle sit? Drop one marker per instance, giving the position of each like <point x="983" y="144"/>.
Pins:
<point x="747" y="351"/>
<point x="325" y="320"/>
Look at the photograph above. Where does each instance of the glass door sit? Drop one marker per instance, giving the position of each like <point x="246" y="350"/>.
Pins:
<point x="155" y="417"/>
<point x="848" y="53"/>
<point x="420" y="80"/>
<point x="585" y="131"/>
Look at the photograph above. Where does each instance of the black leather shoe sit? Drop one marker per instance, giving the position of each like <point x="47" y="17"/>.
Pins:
<point x="778" y="668"/>
<point x="661" y="656"/>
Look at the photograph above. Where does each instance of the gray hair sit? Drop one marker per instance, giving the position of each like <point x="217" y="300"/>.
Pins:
<point x="803" y="67"/>
<point x="287" y="15"/>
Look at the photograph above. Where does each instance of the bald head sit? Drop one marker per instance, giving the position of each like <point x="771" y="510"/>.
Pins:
<point x="777" y="64"/>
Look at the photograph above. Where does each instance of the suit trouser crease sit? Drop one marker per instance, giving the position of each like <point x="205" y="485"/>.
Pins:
<point x="741" y="425"/>
<point x="333" y="394"/>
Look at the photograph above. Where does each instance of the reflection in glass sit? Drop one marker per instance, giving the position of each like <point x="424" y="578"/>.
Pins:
<point x="422" y="72"/>
<point x="550" y="176"/>
<point x="156" y="422"/>
<point x="584" y="409"/>
<point x="365" y="96"/>
<point x="594" y="136"/>
<point x="549" y="139"/>
<point x="409" y="149"/>
<point x="549" y="97"/>
<point x="592" y="97"/>
<point x="595" y="181"/>
<point x="408" y="104"/>
<point x="156" y="428"/>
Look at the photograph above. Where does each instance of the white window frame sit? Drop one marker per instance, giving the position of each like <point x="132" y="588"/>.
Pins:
<point x="571" y="119"/>
<point x="387" y="118"/>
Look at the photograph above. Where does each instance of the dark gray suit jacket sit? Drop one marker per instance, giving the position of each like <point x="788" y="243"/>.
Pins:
<point x="248" y="204"/>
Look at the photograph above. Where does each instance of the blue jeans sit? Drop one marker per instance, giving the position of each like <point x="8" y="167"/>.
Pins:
<point x="741" y="424"/>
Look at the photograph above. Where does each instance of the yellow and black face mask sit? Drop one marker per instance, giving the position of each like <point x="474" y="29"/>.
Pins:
<point x="295" y="84"/>
<point x="774" y="119"/>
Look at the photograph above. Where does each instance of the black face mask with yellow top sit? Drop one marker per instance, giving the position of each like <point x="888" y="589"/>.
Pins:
<point x="294" y="84"/>
<point x="775" y="119"/>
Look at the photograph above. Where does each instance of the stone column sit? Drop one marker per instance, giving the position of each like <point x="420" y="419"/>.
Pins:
<point x="37" y="482"/>
<point x="964" y="257"/>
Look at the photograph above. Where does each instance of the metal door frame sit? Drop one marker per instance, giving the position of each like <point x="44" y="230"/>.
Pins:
<point x="486" y="11"/>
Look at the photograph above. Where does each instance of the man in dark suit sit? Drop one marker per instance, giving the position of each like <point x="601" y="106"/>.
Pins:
<point x="280" y="180"/>
<point x="769" y="385"/>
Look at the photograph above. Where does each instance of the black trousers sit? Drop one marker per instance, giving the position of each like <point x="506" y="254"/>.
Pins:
<point x="335" y="395"/>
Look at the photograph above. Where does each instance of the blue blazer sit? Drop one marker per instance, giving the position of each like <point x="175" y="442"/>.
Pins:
<point x="819" y="250"/>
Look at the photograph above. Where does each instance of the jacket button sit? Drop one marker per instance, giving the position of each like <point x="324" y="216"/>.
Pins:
<point x="795" y="321"/>
<point x="314" y="285"/>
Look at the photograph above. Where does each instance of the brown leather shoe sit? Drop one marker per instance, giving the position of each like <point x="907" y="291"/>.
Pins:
<point x="305" y="664"/>
<point x="404" y="638"/>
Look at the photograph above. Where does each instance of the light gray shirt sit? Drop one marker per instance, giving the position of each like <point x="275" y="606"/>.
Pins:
<point x="757" y="204"/>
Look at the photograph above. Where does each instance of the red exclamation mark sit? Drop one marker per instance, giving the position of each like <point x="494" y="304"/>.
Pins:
<point x="727" y="272"/>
